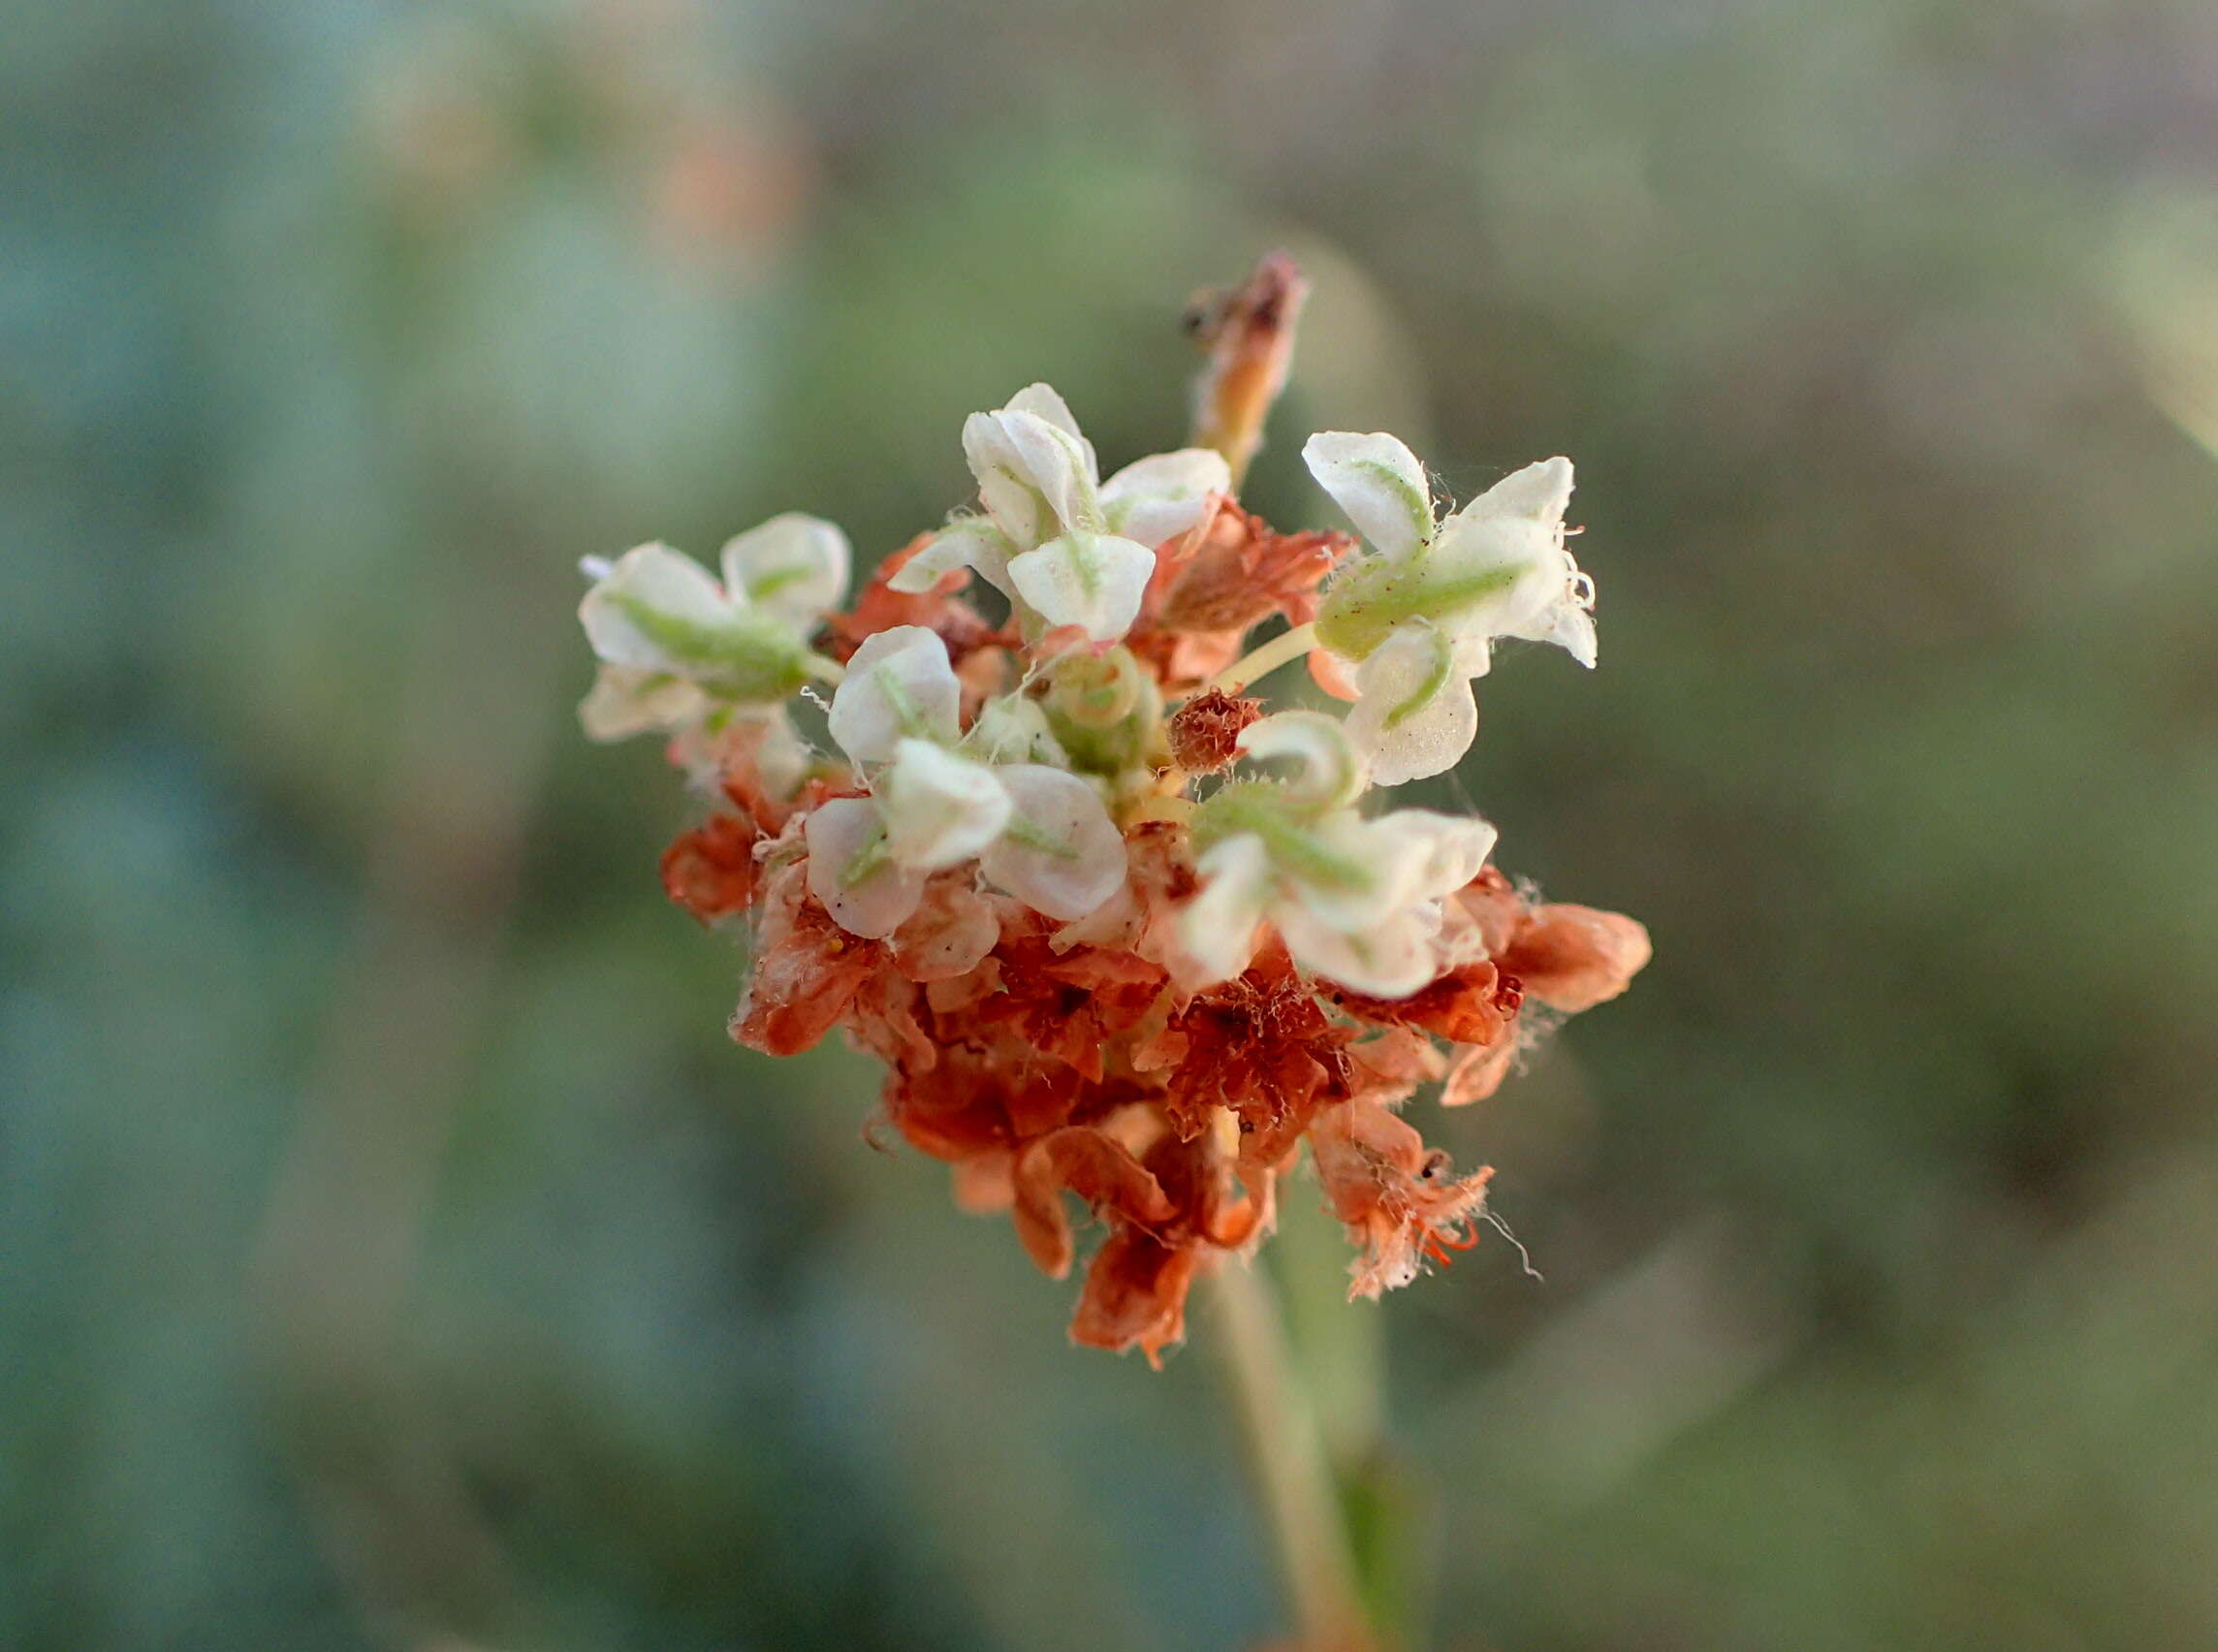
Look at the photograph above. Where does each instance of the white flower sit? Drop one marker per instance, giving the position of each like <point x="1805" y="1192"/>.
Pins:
<point x="1356" y="900"/>
<point x="939" y="809"/>
<point x="680" y="651"/>
<point x="1055" y="539"/>
<point x="899" y="685"/>
<point x="1038" y="832"/>
<point x="1420" y="613"/>
<point x="867" y="892"/>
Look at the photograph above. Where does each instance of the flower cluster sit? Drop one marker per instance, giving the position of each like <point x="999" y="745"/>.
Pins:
<point x="1115" y="928"/>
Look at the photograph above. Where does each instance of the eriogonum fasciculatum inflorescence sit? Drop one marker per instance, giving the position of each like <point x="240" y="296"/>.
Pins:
<point x="1116" y="928"/>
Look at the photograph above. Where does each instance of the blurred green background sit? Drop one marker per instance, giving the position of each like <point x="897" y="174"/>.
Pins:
<point x="395" y="1251"/>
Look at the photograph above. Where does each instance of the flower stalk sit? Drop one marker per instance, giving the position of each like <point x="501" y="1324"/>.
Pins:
<point x="1286" y="1453"/>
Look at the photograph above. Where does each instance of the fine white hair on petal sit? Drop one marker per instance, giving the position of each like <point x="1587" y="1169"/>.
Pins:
<point x="793" y="565"/>
<point x="898" y="685"/>
<point x="840" y="835"/>
<point x="1217" y="928"/>
<point x="1061" y="854"/>
<point x="660" y="582"/>
<point x="1332" y="770"/>
<point x="1093" y="581"/>
<point x="1414" y="714"/>
<point x="1378" y="482"/>
<point x="939" y="808"/>
<point x="1158" y="497"/>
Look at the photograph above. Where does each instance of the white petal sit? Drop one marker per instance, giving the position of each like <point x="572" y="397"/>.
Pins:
<point x="1516" y="527"/>
<point x="1060" y="853"/>
<point x="1353" y="875"/>
<point x="1217" y="928"/>
<point x="1414" y="714"/>
<point x="625" y="701"/>
<point x="1035" y="477"/>
<point x="1332" y="773"/>
<point x="1093" y="581"/>
<point x="968" y="542"/>
<point x="841" y="836"/>
<point x="1559" y="608"/>
<point x="1013" y="728"/>
<point x="1569" y="626"/>
<point x="781" y="756"/>
<point x="1042" y="402"/>
<point x="793" y="565"/>
<point x="1378" y="482"/>
<point x="939" y="809"/>
<point x="655" y="610"/>
<point x="1391" y="959"/>
<point x="1161" y="496"/>
<point x="948" y="934"/>
<point x="1444" y="852"/>
<point x="1537" y="493"/>
<point x="899" y="684"/>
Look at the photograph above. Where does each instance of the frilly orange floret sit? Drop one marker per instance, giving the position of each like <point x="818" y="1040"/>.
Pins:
<point x="1205" y="732"/>
<point x="1399" y="1199"/>
<point x="711" y="870"/>
<point x="1100" y="1170"/>
<point x="1212" y="586"/>
<point x="880" y="608"/>
<point x="808" y="970"/>
<point x="1572" y="958"/>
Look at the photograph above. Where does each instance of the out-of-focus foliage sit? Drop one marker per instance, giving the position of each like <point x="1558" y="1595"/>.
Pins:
<point x="392" y="1246"/>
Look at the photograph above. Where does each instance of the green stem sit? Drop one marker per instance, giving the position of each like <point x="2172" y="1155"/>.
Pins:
<point x="1286" y="1455"/>
<point x="1260" y="662"/>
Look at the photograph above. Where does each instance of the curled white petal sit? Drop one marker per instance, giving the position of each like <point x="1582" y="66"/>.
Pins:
<point x="1093" y="581"/>
<point x="1538" y="493"/>
<point x="939" y="808"/>
<point x="655" y="610"/>
<point x="1442" y="853"/>
<point x="865" y="890"/>
<point x="1161" y="496"/>
<point x="1568" y="625"/>
<point x="1414" y="714"/>
<point x="968" y="542"/>
<point x="1042" y="402"/>
<point x="899" y="684"/>
<point x="1034" y="477"/>
<point x="1378" y="482"/>
<point x="1013" y="728"/>
<point x="795" y="565"/>
<point x="1332" y="770"/>
<point x="1390" y="958"/>
<point x="1348" y="874"/>
<point x="625" y="701"/>
<point x="1217" y="928"/>
<point x="1516" y="527"/>
<point x="1060" y="853"/>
